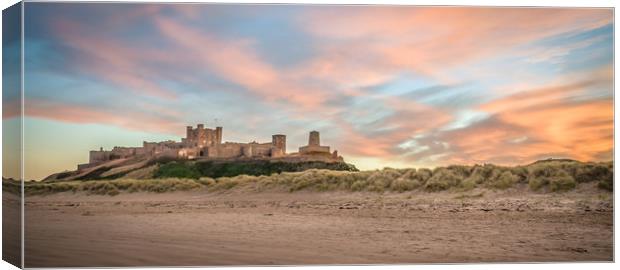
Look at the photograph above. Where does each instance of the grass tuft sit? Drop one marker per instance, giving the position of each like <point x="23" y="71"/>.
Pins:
<point x="544" y="176"/>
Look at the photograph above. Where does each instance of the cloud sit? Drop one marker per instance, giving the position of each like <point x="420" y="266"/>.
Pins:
<point x="428" y="40"/>
<point x="555" y="121"/>
<point x="419" y="85"/>
<point x="381" y="137"/>
<point x="124" y="64"/>
<point x="129" y="119"/>
<point x="236" y="61"/>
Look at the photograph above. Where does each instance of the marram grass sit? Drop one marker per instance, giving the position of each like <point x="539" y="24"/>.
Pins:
<point x="544" y="176"/>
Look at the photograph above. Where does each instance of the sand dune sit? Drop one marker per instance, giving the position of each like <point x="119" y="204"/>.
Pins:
<point x="235" y="228"/>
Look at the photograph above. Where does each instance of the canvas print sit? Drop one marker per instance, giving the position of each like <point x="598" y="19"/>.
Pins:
<point x="179" y="134"/>
<point x="12" y="200"/>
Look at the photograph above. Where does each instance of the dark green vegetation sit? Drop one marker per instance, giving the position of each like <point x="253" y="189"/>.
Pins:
<point x="188" y="169"/>
<point x="178" y="168"/>
<point x="547" y="176"/>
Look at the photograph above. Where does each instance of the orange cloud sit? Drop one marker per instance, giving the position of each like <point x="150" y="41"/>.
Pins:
<point x="536" y="124"/>
<point x="428" y="40"/>
<point x="129" y="119"/>
<point x="581" y="128"/>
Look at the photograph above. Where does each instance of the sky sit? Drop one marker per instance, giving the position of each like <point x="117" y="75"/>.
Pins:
<point x="386" y="86"/>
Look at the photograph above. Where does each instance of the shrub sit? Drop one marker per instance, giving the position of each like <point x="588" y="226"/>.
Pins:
<point x="562" y="181"/>
<point x="113" y="191"/>
<point x="206" y="181"/>
<point x="443" y="179"/>
<point x="536" y="184"/>
<point x="504" y="180"/>
<point x="379" y="181"/>
<point x="227" y="183"/>
<point x="542" y="170"/>
<point x="359" y="185"/>
<point x="468" y="184"/>
<point x="422" y="175"/>
<point x="606" y="184"/>
<point x="460" y="170"/>
<point x="484" y="173"/>
<point x="177" y="169"/>
<point x="404" y="184"/>
<point x="521" y="173"/>
<point x="550" y="174"/>
<point x="593" y="172"/>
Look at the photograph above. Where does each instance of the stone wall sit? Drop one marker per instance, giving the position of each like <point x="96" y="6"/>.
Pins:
<point x="201" y="142"/>
<point x="226" y="150"/>
<point x="98" y="156"/>
<point x="313" y="149"/>
<point x="263" y="149"/>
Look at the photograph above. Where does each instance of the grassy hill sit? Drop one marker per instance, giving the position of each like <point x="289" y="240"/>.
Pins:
<point x="180" y="168"/>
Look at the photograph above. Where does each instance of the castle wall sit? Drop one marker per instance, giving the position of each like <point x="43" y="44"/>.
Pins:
<point x="123" y="152"/>
<point x="233" y="150"/>
<point x="313" y="149"/>
<point x="140" y="151"/>
<point x="204" y="142"/>
<point x="156" y="148"/>
<point x="263" y="150"/>
<point x="227" y="150"/>
<point x="183" y="153"/>
<point x="98" y="156"/>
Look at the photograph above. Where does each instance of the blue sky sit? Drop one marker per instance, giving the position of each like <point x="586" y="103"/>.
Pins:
<point x="386" y="86"/>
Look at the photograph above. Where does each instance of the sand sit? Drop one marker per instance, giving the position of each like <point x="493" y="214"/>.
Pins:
<point x="281" y="228"/>
<point x="11" y="229"/>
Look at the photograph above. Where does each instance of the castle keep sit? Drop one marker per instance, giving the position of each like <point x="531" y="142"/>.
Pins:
<point x="206" y="143"/>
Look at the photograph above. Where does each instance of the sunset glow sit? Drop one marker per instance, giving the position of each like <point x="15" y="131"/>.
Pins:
<point x="385" y="86"/>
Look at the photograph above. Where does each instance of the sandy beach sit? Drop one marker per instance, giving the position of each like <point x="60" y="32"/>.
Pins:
<point x="11" y="228"/>
<point x="282" y="228"/>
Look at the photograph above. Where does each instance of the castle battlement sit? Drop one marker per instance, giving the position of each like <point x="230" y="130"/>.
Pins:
<point x="206" y="143"/>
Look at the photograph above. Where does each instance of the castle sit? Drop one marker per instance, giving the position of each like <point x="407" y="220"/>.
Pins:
<point x="205" y="143"/>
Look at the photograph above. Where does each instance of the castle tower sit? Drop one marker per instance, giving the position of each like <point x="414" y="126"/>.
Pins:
<point x="279" y="144"/>
<point x="314" y="145"/>
<point x="314" y="139"/>
<point x="188" y="134"/>
<point x="201" y="135"/>
<point x="218" y="135"/>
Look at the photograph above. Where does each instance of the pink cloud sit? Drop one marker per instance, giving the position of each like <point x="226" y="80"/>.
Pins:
<point x="428" y="40"/>
<point x="236" y="61"/>
<point x="408" y="119"/>
<point x="121" y="64"/>
<point x="79" y="114"/>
